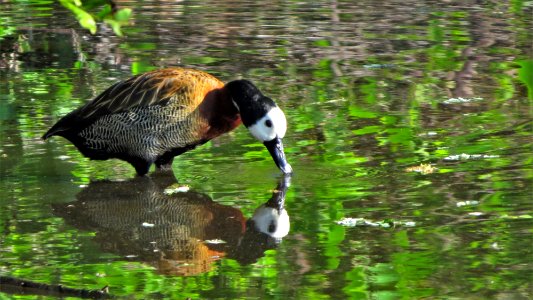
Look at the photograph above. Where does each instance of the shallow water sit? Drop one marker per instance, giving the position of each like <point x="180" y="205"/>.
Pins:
<point x="412" y="116"/>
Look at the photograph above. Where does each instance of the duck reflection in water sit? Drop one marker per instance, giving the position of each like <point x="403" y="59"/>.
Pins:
<point x="180" y="233"/>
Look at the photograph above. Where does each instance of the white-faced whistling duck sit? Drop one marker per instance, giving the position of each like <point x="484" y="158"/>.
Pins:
<point x="155" y="116"/>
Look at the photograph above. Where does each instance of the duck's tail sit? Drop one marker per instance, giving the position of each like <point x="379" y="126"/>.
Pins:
<point x="66" y="126"/>
<point x="55" y="130"/>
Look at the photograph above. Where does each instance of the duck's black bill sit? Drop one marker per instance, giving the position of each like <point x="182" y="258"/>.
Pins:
<point x="275" y="147"/>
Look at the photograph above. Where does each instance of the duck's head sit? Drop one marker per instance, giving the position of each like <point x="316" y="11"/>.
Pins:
<point x="263" y="118"/>
<point x="271" y="218"/>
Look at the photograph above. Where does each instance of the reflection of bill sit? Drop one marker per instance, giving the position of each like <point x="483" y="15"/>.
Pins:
<point x="180" y="233"/>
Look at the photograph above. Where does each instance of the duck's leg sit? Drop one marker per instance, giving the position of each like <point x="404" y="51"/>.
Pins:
<point x="164" y="162"/>
<point x="141" y="166"/>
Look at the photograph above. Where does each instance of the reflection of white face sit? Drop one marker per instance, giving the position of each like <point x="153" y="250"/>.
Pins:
<point x="272" y="125"/>
<point x="271" y="221"/>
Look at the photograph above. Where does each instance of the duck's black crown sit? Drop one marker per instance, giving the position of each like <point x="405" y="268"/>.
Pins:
<point x="252" y="104"/>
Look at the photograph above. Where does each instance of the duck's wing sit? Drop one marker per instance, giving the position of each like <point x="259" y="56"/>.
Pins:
<point x="185" y="88"/>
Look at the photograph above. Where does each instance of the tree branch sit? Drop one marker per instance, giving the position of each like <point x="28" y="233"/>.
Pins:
<point x="13" y="285"/>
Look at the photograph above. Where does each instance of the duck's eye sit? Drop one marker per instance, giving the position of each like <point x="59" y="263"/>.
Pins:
<point x="271" y="227"/>
<point x="268" y="123"/>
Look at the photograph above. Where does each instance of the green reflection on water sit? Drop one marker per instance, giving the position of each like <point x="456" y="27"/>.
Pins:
<point x="364" y="105"/>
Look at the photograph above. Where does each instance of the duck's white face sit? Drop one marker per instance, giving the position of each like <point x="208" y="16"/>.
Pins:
<point x="272" y="125"/>
<point x="272" y="221"/>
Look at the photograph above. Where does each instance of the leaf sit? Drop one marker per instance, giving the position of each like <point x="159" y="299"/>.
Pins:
<point x="85" y="19"/>
<point x="123" y="15"/>
<point x="106" y="11"/>
<point x="118" y="19"/>
<point x="115" y="25"/>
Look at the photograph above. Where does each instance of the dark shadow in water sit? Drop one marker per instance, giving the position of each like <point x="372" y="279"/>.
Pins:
<point x="179" y="233"/>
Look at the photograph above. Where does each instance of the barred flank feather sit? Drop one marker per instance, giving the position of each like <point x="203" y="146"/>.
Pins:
<point x="145" y="132"/>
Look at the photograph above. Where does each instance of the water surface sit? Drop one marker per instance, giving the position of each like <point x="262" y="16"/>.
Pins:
<point x="414" y="116"/>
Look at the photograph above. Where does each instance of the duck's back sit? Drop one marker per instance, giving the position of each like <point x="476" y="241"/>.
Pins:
<point x="149" y="115"/>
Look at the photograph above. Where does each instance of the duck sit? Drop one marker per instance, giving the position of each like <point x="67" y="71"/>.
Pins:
<point x="155" y="116"/>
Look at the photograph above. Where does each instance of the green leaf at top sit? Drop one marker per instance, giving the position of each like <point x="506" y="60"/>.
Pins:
<point x="115" y="25"/>
<point x="85" y="19"/>
<point x="123" y="15"/>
